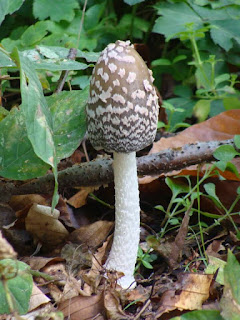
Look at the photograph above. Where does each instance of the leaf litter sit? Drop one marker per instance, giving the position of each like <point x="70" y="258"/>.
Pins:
<point x="75" y="243"/>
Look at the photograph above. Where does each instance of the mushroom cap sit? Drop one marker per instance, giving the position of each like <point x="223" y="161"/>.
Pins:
<point x="122" y="108"/>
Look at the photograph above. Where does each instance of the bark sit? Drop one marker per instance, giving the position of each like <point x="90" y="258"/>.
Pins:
<point x="100" y="172"/>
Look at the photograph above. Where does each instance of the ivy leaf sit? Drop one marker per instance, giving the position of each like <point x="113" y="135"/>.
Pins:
<point x="58" y="10"/>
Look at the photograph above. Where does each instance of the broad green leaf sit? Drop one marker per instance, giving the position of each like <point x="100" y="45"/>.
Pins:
<point x="93" y="15"/>
<point x="61" y="52"/>
<point x="223" y="32"/>
<point x="69" y="120"/>
<point x="5" y="60"/>
<point x="230" y="301"/>
<point x="231" y="103"/>
<point x="200" y="315"/>
<point x="34" y="33"/>
<point x="8" y="7"/>
<point x="174" y="18"/>
<point x="139" y="25"/>
<point x="58" y="10"/>
<point x="225" y="153"/>
<point x="37" y="116"/>
<point x="15" y="286"/>
<point x="18" y="161"/>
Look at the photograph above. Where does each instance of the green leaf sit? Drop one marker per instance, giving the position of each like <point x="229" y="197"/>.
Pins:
<point x="176" y="186"/>
<point x="8" y="7"/>
<point x="225" y="153"/>
<point x="179" y="58"/>
<point x="69" y="120"/>
<point x="147" y="264"/>
<point x="133" y="2"/>
<point x="202" y="109"/>
<point x="15" y="286"/>
<point x="222" y="78"/>
<point x="231" y="103"/>
<point x="161" y="62"/>
<point x="53" y="60"/>
<point x="186" y="104"/>
<point x="210" y="188"/>
<point x="34" y="33"/>
<point x="216" y="265"/>
<point x="223" y="32"/>
<point x="174" y="18"/>
<point x="58" y="10"/>
<point x="93" y="15"/>
<point x="18" y="160"/>
<point x="230" y="301"/>
<point x="37" y="116"/>
<point x="200" y="315"/>
<point x="5" y="60"/>
<point x="237" y="141"/>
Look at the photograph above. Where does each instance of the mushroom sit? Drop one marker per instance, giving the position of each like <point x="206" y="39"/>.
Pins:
<point x="122" y="114"/>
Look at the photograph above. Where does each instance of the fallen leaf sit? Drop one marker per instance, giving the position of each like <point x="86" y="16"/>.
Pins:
<point x="6" y="250"/>
<point x="221" y="127"/>
<point x="80" y="198"/>
<point x="190" y="292"/>
<point x="84" y="308"/>
<point x="44" y="225"/>
<point x="113" y="305"/>
<point x="37" y="298"/>
<point x="93" y="234"/>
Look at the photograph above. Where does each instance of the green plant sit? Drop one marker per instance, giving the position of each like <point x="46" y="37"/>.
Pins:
<point x="16" y="285"/>
<point x="145" y="259"/>
<point x="207" y="42"/>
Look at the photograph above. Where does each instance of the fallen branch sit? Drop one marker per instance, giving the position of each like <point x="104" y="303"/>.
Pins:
<point x="99" y="172"/>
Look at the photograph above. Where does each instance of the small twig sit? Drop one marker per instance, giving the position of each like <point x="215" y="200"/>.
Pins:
<point x="71" y="56"/>
<point x="142" y="310"/>
<point x="100" y="172"/>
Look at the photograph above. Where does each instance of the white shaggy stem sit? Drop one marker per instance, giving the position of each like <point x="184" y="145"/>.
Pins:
<point x="124" y="249"/>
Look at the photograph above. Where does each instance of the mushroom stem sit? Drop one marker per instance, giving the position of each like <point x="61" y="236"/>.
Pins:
<point x="124" y="249"/>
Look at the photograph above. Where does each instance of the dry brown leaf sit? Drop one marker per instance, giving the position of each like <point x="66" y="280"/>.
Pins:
<point x="80" y="198"/>
<point x="113" y="305"/>
<point x="83" y="308"/>
<point x="6" y="250"/>
<point x="93" y="234"/>
<point x="38" y="263"/>
<point x="44" y="225"/>
<point x="190" y="293"/>
<point x="221" y="127"/>
<point x="37" y="299"/>
<point x="19" y="202"/>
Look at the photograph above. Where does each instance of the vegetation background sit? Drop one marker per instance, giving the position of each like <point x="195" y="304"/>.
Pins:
<point x="47" y="52"/>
